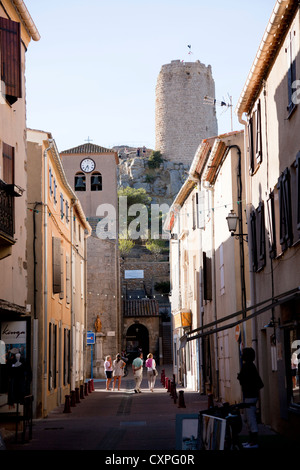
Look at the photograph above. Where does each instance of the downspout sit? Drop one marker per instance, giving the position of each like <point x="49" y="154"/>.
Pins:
<point x="72" y="374"/>
<point x="251" y="274"/>
<point x="201" y="365"/>
<point x="211" y="188"/>
<point x="35" y="318"/>
<point x="45" y="275"/>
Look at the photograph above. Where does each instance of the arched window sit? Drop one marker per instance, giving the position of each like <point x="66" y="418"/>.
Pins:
<point x="80" y="183"/>
<point x="96" y="181"/>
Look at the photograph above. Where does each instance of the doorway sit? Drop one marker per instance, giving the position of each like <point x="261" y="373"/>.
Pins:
<point x="137" y="337"/>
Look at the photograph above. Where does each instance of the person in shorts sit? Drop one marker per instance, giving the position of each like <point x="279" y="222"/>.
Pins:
<point x="108" y="370"/>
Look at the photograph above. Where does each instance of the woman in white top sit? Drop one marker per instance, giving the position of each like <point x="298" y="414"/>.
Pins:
<point x="151" y="367"/>
<point x="108" y="371"/>
<point x="118" y="372"/>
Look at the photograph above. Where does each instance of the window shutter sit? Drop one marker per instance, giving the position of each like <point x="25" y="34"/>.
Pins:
<point x="250" y="143"/>
<point x="286" y="233"/>
<point x="201" y="209"/>
<point x="258" y="134"/>
<point x="253" y="240"/>
<point x="298" y="188"/>
<point x="207" y="277"/>
<point x="61" y="294"/>
<point x="8" y="163"/>
<point x="271" y="225"/>
<point x="68" y="280"/>
<point x="11" y="59"/>
<point x="56" y="262"/>
<point x="261" y="236"/>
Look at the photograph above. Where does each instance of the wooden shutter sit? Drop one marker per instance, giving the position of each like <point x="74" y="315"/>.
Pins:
<point x="258" y="134"/>
<point x="61" y="294"/>
<point x="207" y="277"/>
<point x="286" y="232"/>
<point x="253" y="240"/>
<point x="261" y="236"/>
<point x="250" y="143"/>
<point x="298" y="188"/>
<point x="8" y="163"/>
<point x="56" y="265"/>
<point x="271" y="225"/>
<point x="11" y="58"/>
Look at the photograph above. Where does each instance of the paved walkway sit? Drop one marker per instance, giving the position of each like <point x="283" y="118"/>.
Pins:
<point x="116" y="420"/>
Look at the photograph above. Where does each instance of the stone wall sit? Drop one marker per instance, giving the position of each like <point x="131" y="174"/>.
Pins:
<point x="182" y="119"/>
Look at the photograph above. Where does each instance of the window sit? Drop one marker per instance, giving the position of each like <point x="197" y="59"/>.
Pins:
<point x="52" y="366"/>
<point x="50" y="182"/>
<point x="8" y="164"/>
<point x="291" y="51"/>
<point x="10" y="40"/>
<point x="261" y="239"/>
<point x="54" y="190"/>
<point x="96" y="181"/>
<point x="222" y="276"/>
<point x="80" y="183"/>
<point x="68" y="280"/>
<point x="295" y="198"/>
<point x="285" y="210"/>
<point x="67" y="212"/>
<point x="56" y="265"/>
<point x="66" y="356"/>
<point x="258" y="239"/>
<point x="271" y="225"/>
<point x="253" y="241"/>
<point x="207" y="277"/>
<point x="255" y="139"/>
<point x="62" y="214"/>
<point x="258" y="134"/>
<point x="195" y="209"/>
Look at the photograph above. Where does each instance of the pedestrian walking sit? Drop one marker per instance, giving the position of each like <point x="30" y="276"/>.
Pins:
<point x="108" y="371"/>
<point x="151" y="371"/>
<point x="137" y="367"/>
<point x="118" y="370"/>
<point x="251" y="384"/>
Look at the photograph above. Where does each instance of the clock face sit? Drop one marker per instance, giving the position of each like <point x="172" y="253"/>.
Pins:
<point x="87" y="165"/>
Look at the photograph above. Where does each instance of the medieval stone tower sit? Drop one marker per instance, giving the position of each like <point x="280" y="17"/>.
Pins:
<point x="182" y="119"/>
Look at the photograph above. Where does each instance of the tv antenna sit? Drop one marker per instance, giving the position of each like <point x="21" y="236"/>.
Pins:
<point x="213" y="102"/>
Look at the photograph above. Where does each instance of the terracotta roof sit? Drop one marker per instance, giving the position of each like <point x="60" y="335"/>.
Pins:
<point x="140" y="308"/>
<point x="275" y="31"/>
<point x="88" y="148"/>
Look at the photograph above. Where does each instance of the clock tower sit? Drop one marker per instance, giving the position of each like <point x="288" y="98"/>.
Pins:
<point x="92" y="172"/>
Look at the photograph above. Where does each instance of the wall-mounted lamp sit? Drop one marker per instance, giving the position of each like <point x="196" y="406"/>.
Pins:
<point x="232" y="220"/>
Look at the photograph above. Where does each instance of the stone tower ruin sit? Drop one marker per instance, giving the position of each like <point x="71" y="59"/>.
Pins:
<point x="182" y="119"/>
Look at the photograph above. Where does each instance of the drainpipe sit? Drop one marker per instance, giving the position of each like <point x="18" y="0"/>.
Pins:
<point x="72" y="378"/>
<point x="251" y="274"/>
<point x="45" y="275"/>
<point x="201" y="365"/>
<point x="211" y="188"/>
<point x="35" y="319"/>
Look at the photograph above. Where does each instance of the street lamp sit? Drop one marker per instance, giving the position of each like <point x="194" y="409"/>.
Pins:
<point x="232" y="220"/>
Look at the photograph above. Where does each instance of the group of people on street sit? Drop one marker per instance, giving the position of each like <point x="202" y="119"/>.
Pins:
<point x="115" y="370"/>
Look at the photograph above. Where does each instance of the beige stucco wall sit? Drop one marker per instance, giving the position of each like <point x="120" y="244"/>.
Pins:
<point x="13" y="286"/>
<point x="66" y="312"/>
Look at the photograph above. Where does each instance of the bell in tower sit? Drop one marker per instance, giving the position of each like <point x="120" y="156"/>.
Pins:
<point x="80" y="183"/>
<point x="96" y="182"/>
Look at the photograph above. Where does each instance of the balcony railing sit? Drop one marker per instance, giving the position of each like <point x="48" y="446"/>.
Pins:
<point x="6" y="211"/>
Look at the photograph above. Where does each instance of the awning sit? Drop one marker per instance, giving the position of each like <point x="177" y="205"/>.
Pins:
<point x="261" y="308"/>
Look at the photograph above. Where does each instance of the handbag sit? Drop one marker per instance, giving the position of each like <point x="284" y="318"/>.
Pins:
<point x="155" y="372"/>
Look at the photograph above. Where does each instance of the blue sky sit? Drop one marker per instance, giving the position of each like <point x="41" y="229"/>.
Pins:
<point x="94" y="71"/>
